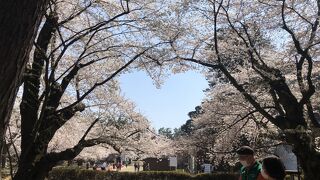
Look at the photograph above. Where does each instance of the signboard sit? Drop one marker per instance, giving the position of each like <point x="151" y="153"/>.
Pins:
<point x="207" y="168"/>
<point x="173" y="162"/>
<point x="289" y="159"/>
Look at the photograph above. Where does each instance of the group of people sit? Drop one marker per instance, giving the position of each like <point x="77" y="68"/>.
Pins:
<point x="271" y="167"/>
<point x="136" y="167"/>
<point x="105" y="166"/>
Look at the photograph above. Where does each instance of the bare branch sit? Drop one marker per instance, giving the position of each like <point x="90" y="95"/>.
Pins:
<point x="109" y="78"/>
<point x="293" y="36"/>
<point x="214" y="66"/>
<point x="276" y="102"/>
<point x="88" y="130"/>
<point x="75" y="15"/>
<point x="78" y="36"/>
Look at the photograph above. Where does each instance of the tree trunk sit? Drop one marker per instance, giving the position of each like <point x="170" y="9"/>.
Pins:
<point x="309" y="164"/>
<point x="37" y="165"/>
<point x="19" y="23"/>
<point x="28" y="171"/>
<point x="4" y="156"/>
<point x="308" y="157"/>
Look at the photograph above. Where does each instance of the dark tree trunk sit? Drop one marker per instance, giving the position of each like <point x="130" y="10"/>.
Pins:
<point x="29" y="106"/>
<point x="37" y="131"/>
<point x="19" y="23"/>
<point x="308" y="157"/>
<point x="40" y="163"/>
<point x="4" y="156"/>
<point x="302" y="140"/>
<point x="34" y="145"/>
<point x="33" y="170"/>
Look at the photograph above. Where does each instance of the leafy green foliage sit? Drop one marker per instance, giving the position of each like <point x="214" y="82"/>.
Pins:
<point x="167" y="132"/>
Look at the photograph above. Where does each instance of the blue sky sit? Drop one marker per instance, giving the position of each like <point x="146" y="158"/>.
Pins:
<point x="169" y="105"/>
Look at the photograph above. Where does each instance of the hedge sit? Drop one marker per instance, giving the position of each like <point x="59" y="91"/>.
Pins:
<point x="82" y="174"/>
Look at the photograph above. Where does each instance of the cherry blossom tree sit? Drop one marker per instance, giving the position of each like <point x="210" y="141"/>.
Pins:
<point x="81" y="47"/>
<point x="262" y="37"/>
<point x="120" y="129"/>
<point x="220" y="130"/>
<point x="19" y="25"/>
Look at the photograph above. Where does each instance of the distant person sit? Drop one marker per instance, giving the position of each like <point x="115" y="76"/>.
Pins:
<point x="109" y="167"/>
<point x="138" y="166"/>
<point x="94" y="167"/>
<point x="87" y="165"/>
<point x="119" y="166"/>
<point x="135" y="167"/>
<point x="202" y="168"/>
<point x="273" y="168"/>
<point x="251" y="168"/>
<point x="148" y="167"/>
<point x="103" y="166"/>
<point x="187" y="168"/>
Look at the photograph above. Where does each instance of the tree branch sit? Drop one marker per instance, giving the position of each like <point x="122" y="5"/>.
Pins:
<point x="29" y="106"/>
<point x="110" y="77"/>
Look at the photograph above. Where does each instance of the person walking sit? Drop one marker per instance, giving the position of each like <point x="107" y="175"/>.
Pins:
<point x="138" y="166"/>
<point x="135" y="167"/>
<point x="251" y="168"/>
